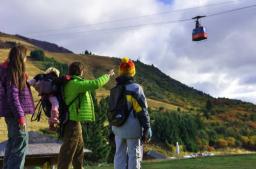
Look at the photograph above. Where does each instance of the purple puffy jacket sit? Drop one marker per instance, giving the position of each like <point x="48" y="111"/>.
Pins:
<point x="18" y="103"/>
<point x="3" y="102"/>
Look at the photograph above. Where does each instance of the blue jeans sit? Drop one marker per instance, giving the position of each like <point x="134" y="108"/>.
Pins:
<point x="128" y="153"/>
<point x="16" y="146"/>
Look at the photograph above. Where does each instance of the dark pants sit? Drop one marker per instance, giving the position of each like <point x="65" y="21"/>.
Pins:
<point x="71" y="150"/>
<point x="16" y="146"/>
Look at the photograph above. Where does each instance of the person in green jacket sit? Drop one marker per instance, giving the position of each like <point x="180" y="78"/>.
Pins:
<point x="81" y="110"/>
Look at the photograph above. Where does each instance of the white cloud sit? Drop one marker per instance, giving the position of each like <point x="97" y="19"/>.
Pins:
<point x="222" y="66"/>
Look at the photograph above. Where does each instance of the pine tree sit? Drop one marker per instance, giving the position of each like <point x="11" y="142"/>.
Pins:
<point x="208" y="109"/>
<point x="96" y="133"/>
<point x="86" y="52"/>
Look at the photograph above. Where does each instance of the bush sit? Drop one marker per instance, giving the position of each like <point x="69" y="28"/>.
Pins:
<point x="202" y="144"/>
<point x="230" y="131"/>
<point x="252" y="140"/>
<point x="212" y="136"/>
<point x="244" y="140"/>
<point x="253" y="117"/>
<point x="222" y="143"/>
<point x="210" y="148"/>
<point x="37" y="54"/>
<point x="231" y="141"/>
<point x="238" y="143"/>
<point x="220" y="129"/>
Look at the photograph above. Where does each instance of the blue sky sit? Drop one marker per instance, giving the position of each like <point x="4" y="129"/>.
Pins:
<point x="166" y="1"/>
<point x="223" y="66"/>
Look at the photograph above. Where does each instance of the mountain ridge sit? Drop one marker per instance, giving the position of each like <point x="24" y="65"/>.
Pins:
<point x="36" y="43"/>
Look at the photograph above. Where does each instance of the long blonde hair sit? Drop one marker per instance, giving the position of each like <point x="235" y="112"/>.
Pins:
<point x="16" y="66"/>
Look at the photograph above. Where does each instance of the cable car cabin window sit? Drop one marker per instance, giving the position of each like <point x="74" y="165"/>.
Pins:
<point x="199" y="30"/>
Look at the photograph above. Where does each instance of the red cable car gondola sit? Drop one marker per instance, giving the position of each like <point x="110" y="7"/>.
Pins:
<point x="199" y="33"/>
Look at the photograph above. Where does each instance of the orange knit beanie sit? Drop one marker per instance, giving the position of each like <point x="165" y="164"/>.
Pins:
<point x="127" y="67"/>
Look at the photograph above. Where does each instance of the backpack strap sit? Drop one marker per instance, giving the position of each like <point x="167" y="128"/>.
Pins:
<point x="65" y="119"/>
<point x="62" y="95"/>
<point x="125" y="92"/>
<point x="134" y="94"/>
<point x="37" y="117"/>
<point x="137" y="98"/>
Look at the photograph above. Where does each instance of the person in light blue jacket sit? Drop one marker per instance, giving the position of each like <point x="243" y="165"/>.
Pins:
<point x="136" y="129"/>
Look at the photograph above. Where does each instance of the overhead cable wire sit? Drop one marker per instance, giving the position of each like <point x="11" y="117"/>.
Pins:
<point x="232" y="10"/>
<point x="157" y="23"/>
<point x="131" y="18"/>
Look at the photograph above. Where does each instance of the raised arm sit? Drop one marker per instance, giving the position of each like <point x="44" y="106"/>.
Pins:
<point x="85" y="85"/>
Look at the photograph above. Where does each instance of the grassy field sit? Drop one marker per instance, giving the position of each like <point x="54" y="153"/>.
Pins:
<point x="227" y="162"/>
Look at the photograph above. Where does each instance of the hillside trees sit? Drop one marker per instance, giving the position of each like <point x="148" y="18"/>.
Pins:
<point x="170" y="127"/>
<point x="86" y="52"/>
<point x="208" y="109"/>
<point x="51" y="62"/>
